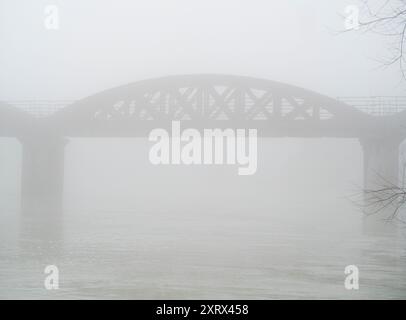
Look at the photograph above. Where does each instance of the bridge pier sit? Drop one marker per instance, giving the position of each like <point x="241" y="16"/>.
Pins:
<point x="42" y="175"/>
<point x="381" y="169"/>
<point x="381" y="162"/>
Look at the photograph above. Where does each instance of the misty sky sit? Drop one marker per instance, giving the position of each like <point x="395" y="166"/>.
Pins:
<point x="100" y="45"/>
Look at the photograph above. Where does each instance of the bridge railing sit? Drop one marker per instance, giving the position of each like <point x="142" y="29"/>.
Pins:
<point x="40" y="108"/>
<point x="376" y="106"/>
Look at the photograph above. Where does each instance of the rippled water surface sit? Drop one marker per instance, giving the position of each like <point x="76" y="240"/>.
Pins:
<point x="185" y="256"/>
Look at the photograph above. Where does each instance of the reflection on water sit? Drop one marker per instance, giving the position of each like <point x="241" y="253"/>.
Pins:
<point x="183" y="255"/>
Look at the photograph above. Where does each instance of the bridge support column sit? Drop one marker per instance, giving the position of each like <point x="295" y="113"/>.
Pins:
<point x="381" y="162"/>
<point x="42" y="174"/>
<point x="381" y="169"/>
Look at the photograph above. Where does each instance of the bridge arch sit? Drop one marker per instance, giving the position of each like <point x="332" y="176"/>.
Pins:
<point x="277" y="109"/>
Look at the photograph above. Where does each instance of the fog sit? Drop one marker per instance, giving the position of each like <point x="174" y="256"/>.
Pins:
<point x="99" y="46"/>
<point x="130" y="229"/>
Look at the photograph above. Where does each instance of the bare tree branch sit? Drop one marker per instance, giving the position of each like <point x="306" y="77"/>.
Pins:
<point x="387" y="18"/>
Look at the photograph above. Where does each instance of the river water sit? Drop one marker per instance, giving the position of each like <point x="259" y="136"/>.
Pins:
<point x="129" y="231"/>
